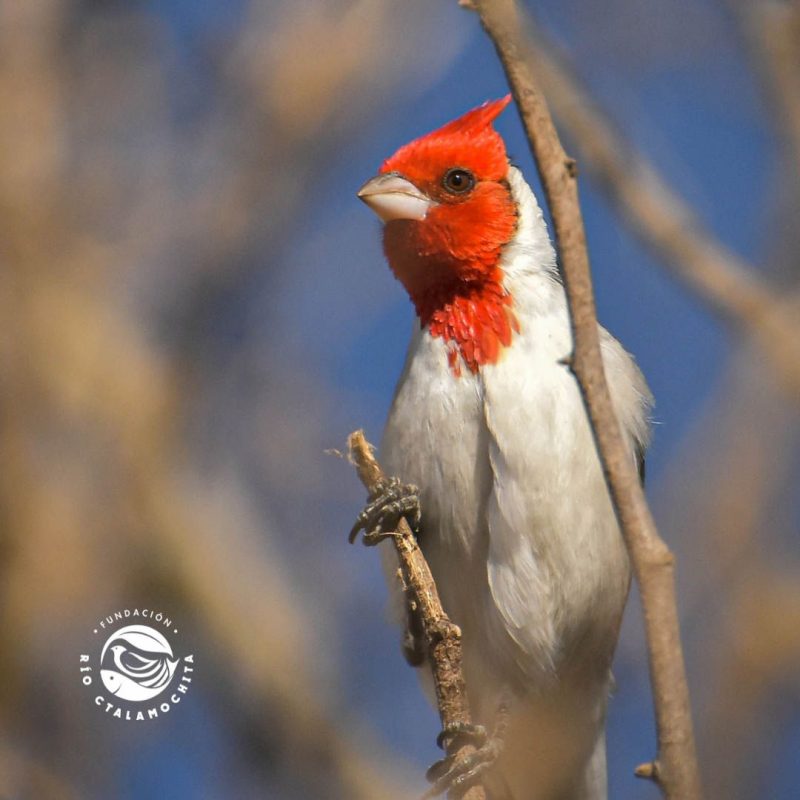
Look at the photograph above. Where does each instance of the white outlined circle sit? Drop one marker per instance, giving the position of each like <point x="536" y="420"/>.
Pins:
<point x="141" y="674"/>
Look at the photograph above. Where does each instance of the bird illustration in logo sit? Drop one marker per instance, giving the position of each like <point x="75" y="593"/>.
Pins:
<point x="137" y="663"/>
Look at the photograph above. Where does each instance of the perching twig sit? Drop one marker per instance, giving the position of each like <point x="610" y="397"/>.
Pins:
<point x="675" y="769"/>
<point x="442" y="637"/>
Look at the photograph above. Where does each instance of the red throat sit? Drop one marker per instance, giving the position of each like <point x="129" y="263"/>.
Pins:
<point x="476" y="322"/>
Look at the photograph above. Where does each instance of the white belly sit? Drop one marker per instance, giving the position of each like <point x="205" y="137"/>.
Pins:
<point x="517" y="525"/>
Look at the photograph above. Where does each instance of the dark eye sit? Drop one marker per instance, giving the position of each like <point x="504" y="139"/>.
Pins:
<point x="458" y="181"/>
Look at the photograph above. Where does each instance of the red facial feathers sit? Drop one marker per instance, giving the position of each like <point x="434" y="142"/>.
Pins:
<point x="449" y="262"/>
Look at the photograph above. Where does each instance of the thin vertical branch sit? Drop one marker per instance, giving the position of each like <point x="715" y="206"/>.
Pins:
<point x="675" y="768"/>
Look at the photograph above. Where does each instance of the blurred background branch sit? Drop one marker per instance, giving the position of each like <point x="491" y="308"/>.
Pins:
<point x="730" y="286"/>
<point x="124" y="231"/>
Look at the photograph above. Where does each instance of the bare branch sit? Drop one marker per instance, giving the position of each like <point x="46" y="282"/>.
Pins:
<point x="442" y="637"/>
<point x="677" y="771"/>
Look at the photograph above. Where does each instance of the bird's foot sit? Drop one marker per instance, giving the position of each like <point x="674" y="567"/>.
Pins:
<point x="461" y="733"/>
<point x="456" y="775"/>
<point x="390" y="501"/>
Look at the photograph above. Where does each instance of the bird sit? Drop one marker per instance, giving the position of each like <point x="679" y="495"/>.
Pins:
<point x="152" y="670"/>
<point x="494" y="463"/>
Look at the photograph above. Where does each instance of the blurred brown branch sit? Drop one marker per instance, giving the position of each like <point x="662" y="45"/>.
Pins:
<point x="772" y="31"/>
<point x="675" y="769"/>
<point x="442" y="637"/>
<point x="24" y="776"/>
<point x="113" y="217"/>
<point x="731" y="287"/>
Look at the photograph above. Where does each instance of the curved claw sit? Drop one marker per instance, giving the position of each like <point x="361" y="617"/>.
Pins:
<point x="457" y="775"/>
<point x="390" y="501"/>
<point x="474" y="734"/>
<point x="450" y="775"/>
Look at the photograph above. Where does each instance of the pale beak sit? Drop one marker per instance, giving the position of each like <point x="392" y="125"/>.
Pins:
<point x="392" y="197"/>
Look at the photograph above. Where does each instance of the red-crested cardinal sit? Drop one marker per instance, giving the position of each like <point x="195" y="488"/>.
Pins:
<point x="488" y="421"/>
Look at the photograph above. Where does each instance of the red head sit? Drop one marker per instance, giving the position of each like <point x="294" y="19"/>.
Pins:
<point x="448" y="211"/>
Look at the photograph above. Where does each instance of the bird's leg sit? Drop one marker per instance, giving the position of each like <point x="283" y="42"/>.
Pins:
<point x="387" y="503"/>
<point x="455" y="776"/>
